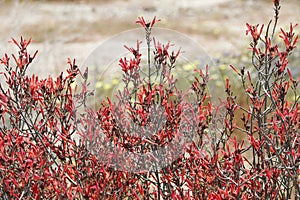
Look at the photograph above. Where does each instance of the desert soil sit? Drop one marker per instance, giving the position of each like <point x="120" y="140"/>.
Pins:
<point x="62" y="29"/>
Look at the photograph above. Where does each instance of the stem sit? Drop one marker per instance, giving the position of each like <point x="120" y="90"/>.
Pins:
<point x="277" y="8"/>
<point x="158" y="182"/>
<point x="148" y="33"/>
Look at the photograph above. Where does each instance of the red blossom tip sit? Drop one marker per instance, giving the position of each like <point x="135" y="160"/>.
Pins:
<point x="145" y="24"/>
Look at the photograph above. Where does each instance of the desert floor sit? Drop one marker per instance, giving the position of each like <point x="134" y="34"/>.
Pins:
<point x="62" y="29"/>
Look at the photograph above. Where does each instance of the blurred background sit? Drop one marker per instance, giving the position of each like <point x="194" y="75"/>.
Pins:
<point x="74" y="28"/>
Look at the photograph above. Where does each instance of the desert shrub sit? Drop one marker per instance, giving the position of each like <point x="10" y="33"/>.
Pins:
<point x="154" y="141"/>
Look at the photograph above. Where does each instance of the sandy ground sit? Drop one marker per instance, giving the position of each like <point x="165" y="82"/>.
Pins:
<point x="74" y="29"/>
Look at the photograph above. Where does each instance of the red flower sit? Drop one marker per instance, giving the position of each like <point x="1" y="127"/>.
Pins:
<point x="5" y="60"/>
<point x="254" y="31"/>
<point x="124" y="64"/>
<point x="3" y="103"/>
<point x="135" y="52"/>
<point x="288" y="37"/>
<point x="148" y="25"/>
<point x="23" y="44"/>
<point x="128" y="65"/>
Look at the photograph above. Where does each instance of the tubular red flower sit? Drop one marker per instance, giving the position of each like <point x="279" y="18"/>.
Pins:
<point x="135" y="52"/>
<point x="253" y="30"/>
<point x="5" y="60"/>
<point x="147" y="25"/>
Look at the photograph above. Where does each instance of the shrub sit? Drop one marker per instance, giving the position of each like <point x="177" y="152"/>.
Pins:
<point x="155" y="141"/>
